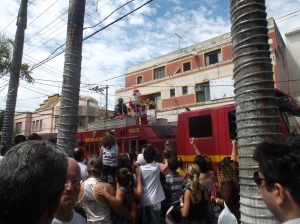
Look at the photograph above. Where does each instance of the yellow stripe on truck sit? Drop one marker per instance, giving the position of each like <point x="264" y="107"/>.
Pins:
<point x="214" y="158"/>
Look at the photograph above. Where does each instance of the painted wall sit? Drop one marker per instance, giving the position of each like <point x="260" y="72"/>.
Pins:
<point x="293" y="55"/>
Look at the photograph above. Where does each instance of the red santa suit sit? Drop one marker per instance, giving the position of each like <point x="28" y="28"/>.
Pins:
<point x="139" y="111"/>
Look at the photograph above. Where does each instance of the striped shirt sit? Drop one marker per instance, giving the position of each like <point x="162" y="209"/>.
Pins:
<point x="174" y="183"/>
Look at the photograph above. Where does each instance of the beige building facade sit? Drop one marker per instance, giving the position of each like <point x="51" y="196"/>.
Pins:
<point x="45" y="119"/>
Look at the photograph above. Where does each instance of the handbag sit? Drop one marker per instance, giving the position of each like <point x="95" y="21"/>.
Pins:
<point x="226" y="217"/>
<point x="173" y="215"/>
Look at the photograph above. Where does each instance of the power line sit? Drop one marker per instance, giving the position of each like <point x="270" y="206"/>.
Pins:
<point x="42" y="13"/>
<point x="50" y="58"/>
<point x="108" y="15"/>
<point x="288" y="18"/>
<point x="287" y="15"/>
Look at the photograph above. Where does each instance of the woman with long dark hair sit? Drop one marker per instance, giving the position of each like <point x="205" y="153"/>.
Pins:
<point x="228" y="188"/>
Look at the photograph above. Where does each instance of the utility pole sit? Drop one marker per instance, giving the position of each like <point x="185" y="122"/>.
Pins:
<point x="255" y="102"/>
<point x="14" y="75"/>
<point x="100" y="90"/>
<point x="68" y="122"/>
<point x="106" y="101"/>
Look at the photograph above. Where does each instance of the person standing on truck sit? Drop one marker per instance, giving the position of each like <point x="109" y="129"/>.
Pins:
<point x="138" y="104"/>
<point x="278" y="176"/>
<point x="120" y="109"/>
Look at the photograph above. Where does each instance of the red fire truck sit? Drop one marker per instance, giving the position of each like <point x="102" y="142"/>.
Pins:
<point x="213" y="128"/>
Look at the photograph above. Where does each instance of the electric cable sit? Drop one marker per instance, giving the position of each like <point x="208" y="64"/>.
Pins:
<point x="59" y="53"/>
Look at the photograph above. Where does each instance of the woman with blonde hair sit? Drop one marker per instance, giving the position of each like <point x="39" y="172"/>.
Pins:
<point x="194" y="204"/>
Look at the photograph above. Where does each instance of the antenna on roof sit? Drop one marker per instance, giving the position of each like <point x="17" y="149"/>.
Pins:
<point x="179" y="37"/>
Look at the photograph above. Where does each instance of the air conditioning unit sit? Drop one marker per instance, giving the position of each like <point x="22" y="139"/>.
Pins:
<point x="199" y="88"/>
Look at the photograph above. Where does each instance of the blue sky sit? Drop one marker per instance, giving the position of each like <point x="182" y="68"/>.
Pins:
<point x="145" y="34"/>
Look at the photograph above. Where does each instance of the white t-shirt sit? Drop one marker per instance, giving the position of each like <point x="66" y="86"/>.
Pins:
<point x="152" y="190"/>
<point x="110" y="156"/>
<point x="77" y="219"/>
<point x="84" y="173"/>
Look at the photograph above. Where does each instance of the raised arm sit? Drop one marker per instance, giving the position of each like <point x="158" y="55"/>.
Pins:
<point x="194" y="146"/>
<point x="233" y="152"/>
<point x="138" y="191"/>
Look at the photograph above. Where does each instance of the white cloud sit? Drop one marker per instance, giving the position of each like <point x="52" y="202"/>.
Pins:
<point x="145" y="34"/>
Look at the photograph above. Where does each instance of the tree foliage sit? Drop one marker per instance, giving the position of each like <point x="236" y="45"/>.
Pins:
<point x="6" y="48"/>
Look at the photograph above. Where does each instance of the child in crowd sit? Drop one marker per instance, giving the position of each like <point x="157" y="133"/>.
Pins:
<point x="124" y="193"/>
<point x="180" y="169"/>
<point x="152" y="190"/>
<point x="174" y="181"/>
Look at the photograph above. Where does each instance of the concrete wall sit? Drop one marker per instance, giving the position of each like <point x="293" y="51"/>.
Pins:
<point x="293" y="55"/>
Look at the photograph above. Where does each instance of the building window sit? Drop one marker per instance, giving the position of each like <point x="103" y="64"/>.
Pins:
<point x="156" y="98"/>
<point x="184" y="90"/>
<point x="232" y="125"/>
<point x="37" y="125"/>
<point x="56" y="121"/>
<point x="91" y="119"/>
<point x="159" y="73"/>
<point x="19" y="127"/>
<point x="202" y="121"/>
<point x="139" y="79"/>
<point x="81" y="121"/>
<point x="202" y="92"/>
<point x="41" y="124"/>
<point x="212" y="57"/>
<point x="186" y="66"/>
<point x="172" y="92"/>
<point x="33" y="125"/>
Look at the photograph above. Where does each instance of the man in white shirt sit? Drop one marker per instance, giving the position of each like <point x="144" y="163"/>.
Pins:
<point x="66" y="213"/>
<point x="278" y="176"/>
<point x="153" y="192"/>
<point x="78" y="155"/>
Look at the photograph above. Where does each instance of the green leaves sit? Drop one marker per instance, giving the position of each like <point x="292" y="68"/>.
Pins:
<point x="6" y="49"/>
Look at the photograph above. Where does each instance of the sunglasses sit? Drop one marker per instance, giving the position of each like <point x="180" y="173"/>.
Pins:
<point x="258" y="180"/>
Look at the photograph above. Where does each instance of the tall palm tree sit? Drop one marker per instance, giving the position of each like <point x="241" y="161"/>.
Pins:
<point x="13" y="66"/>
<point x="6" y="50"/>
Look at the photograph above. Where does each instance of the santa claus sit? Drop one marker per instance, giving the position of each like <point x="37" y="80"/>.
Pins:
<point x="138" y="104"/>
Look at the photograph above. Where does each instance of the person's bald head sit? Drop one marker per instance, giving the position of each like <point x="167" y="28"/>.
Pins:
<point x="78" y="154"/>
<point x="72" y="186"/>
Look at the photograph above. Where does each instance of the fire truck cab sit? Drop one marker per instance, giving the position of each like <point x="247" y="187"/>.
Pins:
<point x="214" y="128"/>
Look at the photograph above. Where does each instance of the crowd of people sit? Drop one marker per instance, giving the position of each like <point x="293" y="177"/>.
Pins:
<point x="40" y="184"/>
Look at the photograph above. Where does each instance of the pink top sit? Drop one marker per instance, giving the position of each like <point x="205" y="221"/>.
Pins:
<point x="167" y="171"/>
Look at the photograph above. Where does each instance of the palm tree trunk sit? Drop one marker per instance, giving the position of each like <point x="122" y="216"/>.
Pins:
<point x="255" y="102"/>
<point x="68" y="121"/>
<point x="14" y="76"/>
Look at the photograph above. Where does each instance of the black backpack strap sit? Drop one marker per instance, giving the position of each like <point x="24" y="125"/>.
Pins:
<point x="78" y="209"/>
